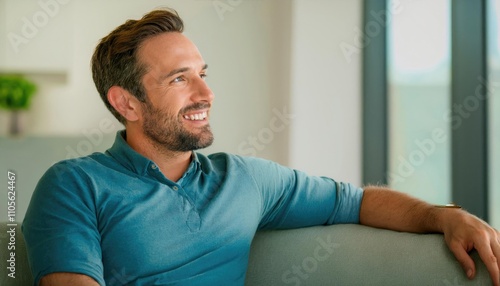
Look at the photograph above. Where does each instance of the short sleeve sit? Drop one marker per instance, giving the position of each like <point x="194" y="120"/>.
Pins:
<point x="293" y="199"/>
<point x="60" y="226"/>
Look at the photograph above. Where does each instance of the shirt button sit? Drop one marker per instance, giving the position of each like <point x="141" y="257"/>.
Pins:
<point x="153" y="166"/>
<point x="175" y="188"/>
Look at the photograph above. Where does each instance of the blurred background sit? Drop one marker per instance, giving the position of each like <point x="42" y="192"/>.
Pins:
<point x="360" y="91"/>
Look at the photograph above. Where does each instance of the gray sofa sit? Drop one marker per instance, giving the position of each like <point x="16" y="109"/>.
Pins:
<point x="326" y="255"/>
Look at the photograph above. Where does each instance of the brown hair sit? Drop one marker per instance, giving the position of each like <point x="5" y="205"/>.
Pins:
<point x="115" y="60"/>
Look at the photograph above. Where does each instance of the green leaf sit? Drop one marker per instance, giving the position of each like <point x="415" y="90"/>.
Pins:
<point x="16" y="92"/>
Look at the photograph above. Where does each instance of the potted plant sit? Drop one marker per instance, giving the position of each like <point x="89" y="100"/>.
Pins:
<point x="15" y="95"/>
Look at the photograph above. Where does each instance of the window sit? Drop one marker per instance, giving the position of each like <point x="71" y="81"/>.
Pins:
<point x="427" y="129"/>
<point x="419" y="62"/>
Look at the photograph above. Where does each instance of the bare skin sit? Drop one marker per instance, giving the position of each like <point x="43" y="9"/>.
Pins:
<point x="388" y="209"/>
<point x="177" y="92"/>
<point x="169" y="91"/>
<point x="74" y="279"/>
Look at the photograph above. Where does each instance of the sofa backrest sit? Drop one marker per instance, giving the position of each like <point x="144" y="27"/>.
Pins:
<point x="322" y="255"/>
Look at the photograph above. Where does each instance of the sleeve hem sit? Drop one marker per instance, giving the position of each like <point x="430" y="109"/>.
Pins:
<point x="87" y="271"/>
<point x="348" y="204"/>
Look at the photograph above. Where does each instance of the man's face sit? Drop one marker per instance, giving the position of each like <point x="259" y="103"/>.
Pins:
<point x="179" y="100"/>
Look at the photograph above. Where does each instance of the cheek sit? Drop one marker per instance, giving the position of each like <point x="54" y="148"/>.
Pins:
<point x="173" y="108"/>
<point x="168" y="104"/>
<point x="163" y="114"/>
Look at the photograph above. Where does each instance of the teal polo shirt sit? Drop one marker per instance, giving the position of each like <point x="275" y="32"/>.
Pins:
<point x="115" y="217"/>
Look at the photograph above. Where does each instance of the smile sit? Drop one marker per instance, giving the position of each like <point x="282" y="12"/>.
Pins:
<point x="196" y="116"/>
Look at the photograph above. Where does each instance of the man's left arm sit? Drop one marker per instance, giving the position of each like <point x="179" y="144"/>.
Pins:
<point x="385" y="208"/>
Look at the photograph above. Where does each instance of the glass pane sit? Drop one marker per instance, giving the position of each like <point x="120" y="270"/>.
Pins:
<point x="494" y="110"/>
<point x="419" y="61"/>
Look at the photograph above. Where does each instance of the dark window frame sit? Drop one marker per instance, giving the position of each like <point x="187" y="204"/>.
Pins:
<point x="469" y="118"/>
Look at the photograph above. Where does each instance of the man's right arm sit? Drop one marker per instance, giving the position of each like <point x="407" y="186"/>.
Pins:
<point x="56" y="279"/>
<point x="60" y="228"/>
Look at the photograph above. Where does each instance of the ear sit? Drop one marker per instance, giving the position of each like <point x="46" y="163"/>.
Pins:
<point x="125" y="103"/>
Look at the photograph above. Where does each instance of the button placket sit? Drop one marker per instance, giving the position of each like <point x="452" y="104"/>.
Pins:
<point x="193" y="219"/>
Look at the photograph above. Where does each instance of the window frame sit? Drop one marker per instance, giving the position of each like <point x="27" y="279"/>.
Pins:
<point x="469" y="133"/>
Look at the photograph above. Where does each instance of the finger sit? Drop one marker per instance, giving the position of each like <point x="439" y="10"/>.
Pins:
<point x="495" y="246"/>
<point x="464" y="259"/>
<point x="490" y="261"/>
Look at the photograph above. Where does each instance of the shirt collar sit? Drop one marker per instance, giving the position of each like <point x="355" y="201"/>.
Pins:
<point x="132" y="160"/>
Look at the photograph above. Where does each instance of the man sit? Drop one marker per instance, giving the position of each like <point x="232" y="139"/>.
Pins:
<point x="152" y="211"/>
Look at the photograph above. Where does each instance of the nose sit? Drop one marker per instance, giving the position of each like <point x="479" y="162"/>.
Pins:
<point x="202" y="91"/>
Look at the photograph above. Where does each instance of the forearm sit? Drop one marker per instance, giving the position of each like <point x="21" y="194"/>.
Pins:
<point x="389" y="209"/>
<point x="63" y="278"/>
<point x="384" y="208"/>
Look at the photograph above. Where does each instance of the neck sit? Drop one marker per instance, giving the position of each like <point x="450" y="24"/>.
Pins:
<point x="172" y="164"/>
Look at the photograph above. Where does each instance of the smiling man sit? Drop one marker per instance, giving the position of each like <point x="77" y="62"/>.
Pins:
<point x="151" y="211"/>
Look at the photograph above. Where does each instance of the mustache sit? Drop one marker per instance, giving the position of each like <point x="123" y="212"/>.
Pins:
<point x="195" y="106"/>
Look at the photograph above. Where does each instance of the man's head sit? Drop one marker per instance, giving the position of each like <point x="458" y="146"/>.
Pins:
<point x="151" y="77"/>
<point x="115" y="60"/>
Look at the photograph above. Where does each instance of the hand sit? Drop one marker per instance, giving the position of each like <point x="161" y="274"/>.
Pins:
<point x="464" y="232"/>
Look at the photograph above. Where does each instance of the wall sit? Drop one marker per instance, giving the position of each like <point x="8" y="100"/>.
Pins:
<point x="267" y="60"/>
<point x="326" y="89"/>
<point x="238" y="44"/>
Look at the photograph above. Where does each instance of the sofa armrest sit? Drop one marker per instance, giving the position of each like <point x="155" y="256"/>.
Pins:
<point x="355" y="255"/>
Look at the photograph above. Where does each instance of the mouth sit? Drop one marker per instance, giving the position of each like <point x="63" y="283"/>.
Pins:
<point x="200" y="116"/>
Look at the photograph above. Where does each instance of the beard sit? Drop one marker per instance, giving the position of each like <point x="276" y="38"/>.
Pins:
<point x="167" y="130"/>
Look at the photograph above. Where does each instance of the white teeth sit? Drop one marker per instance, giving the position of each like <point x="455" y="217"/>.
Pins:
<point x="198" y="116"/>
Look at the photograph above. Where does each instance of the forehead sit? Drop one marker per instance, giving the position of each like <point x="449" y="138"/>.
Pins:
<point x="168" y="51"/>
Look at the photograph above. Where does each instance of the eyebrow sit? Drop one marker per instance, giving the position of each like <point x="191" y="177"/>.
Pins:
<point x="179" y="70"/>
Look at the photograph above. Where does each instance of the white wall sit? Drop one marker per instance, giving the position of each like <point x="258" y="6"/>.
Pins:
<point x="326" y="89"/>
<point x="265" y="58"/>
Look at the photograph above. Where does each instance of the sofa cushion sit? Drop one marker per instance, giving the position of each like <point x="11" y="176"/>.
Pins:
<point x="355" y="255"/>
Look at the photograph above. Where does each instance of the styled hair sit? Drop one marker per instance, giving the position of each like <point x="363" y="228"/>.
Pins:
<point x="115" y="61"/>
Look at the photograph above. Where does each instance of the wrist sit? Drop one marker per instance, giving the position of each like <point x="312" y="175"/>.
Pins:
<point x="444" y="216"/>
<point x="448" y="206"/>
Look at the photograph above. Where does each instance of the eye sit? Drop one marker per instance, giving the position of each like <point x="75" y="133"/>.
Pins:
<point x="203" y="75"/>
<point x="178" y="79"/>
